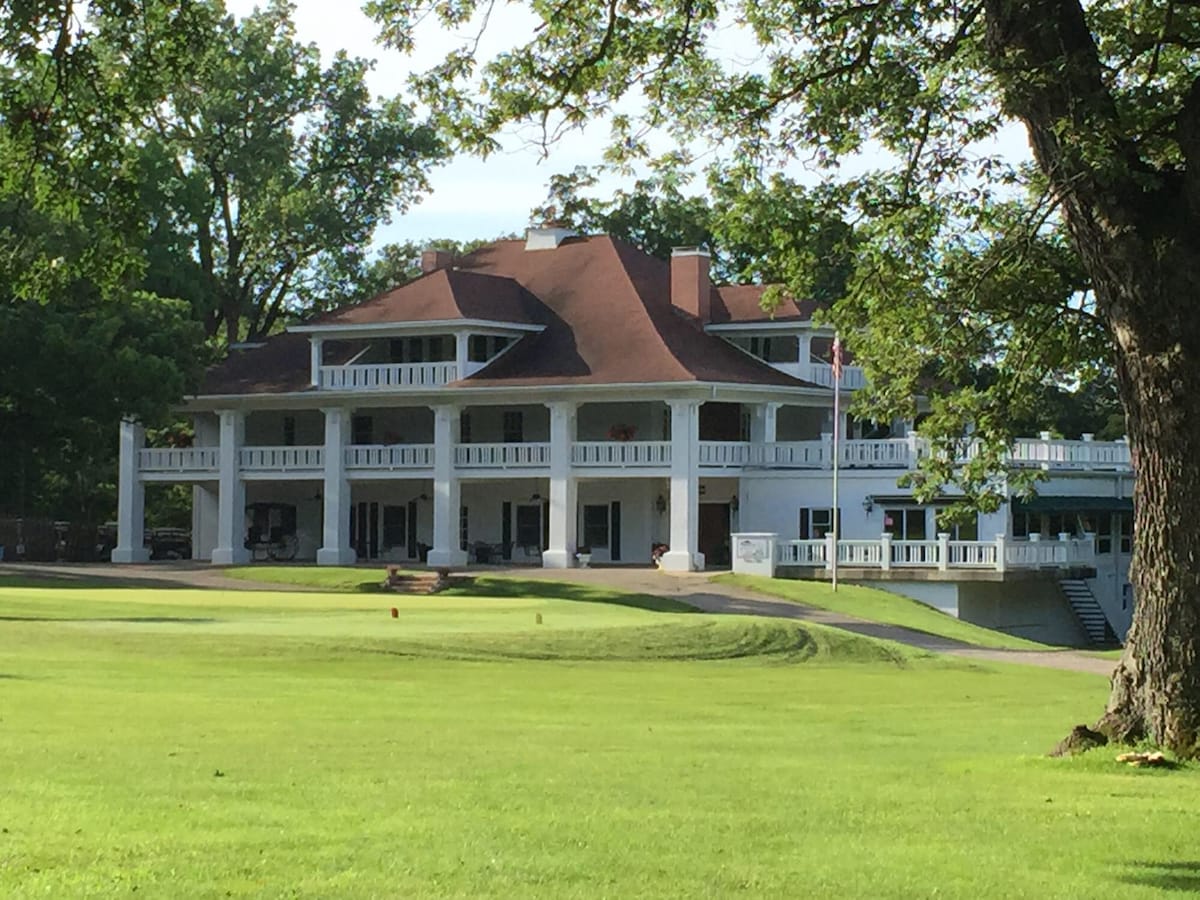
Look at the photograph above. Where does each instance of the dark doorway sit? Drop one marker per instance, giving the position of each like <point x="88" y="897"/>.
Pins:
<point x="364" y="530"/>
<point x="713" y="538"/>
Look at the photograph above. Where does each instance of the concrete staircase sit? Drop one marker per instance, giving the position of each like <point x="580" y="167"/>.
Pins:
<point x="1091" y="616"/>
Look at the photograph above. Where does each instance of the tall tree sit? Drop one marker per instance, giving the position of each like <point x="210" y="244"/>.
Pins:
<point x="1109" y="95"/>
<point x="264" y="168"/>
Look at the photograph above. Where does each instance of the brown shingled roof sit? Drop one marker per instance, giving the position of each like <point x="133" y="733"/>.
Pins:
<point x="604" y="304"/>
<point x="440" y="296"/>
<point x="609" y="320"/>
<point x="742" y="303"/>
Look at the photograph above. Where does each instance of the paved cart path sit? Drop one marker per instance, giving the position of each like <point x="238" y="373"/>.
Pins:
<point x="693" y="589"/>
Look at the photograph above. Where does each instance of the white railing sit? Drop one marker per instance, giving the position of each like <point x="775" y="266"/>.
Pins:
<point x="1059" y="454"/>
<point x="387" y="377"/>
<point x="886" y="453"/>
<point x="501" y="456"/>
<point x="280" y="459"/>
<point x="389" y="456"/>
<point x="179" y="460"/>
<point x="623" y="454"/>
<point x="724" y="454"/>
<point x="942" y="553"/>
<point x="853" y="377"/>
<point x="790" y="454"/>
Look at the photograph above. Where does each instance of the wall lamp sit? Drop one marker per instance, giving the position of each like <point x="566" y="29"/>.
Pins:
<point x="868" y="503"/>
<point x="660" y="504"/>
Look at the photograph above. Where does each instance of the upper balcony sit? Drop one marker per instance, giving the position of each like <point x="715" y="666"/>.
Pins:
<point x="390" y="377"/>
<point x="615" y="457"/>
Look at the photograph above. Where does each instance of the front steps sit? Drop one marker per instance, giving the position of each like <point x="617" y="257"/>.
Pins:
<point x="1091" y="616"/>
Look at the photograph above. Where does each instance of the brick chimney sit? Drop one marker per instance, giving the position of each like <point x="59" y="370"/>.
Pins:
<point x="432" y="260"/>
<point x="691" y="289"/>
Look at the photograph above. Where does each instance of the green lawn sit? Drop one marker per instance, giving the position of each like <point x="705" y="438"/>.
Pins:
<point x="879" y="606"/>
<point x="184" y="743"/>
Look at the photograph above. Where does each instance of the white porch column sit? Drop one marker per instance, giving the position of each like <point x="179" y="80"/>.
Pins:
<point x="462" y="352"/>
<point x="335" y="530"/>
<point x="447" y="492"/>
<point x="131" y="498"/>
<point x="316" y="345"/>
<point x="231" y="494"/>
<point x="763" y="423"/>
<point x="804" y="356"/>
<point x="684" y="555"/>
<point x="564" y="493"/>
<point x="204" y="496"/>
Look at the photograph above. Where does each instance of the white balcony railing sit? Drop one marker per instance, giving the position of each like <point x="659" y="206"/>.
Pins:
<point x="179" y="461"/>
<point x="280" y="459"/>
<point x="502" y="456"/>
<point x="624" y="454"/>
<point x="942" y="553"/>
<point x="725" y="454"/>
<point x="389" y="457"/>
<point x="387" y="377"/>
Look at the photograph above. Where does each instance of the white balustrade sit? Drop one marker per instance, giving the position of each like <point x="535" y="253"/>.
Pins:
<point x="724" y="454"/>
<point x="622" y="454"/>
<point x="887" y="453"/>
<point x="178" y="460"/>
<point x="853" y="377"/>
<point x="869" y="554"/>
<point x="376" y="457"/>
<point x="501" y="456"/>
<point x="280" y="459"/>
<point x="387" y="377"/>
<point x="790" y="455"/>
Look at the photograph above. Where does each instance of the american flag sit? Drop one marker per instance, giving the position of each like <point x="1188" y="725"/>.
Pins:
<point x="837" y="358"/>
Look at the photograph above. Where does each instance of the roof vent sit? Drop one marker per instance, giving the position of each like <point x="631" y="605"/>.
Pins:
<point x="548" y="236"/>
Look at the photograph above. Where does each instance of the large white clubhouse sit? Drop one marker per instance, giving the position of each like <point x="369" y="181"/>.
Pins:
<point x="560" y="394"/>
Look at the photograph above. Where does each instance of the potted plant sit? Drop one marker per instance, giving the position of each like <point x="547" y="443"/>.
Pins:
<point x="583" y="555"/>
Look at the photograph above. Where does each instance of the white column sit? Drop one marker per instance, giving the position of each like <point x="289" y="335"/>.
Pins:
<point x="204" y="496"/>
<point x="335" y="530"/>
<point x="684" y="555"/>
<point x="316" y="345"/>
<point x="231" y="494"/>
<point x="804" y="357"/>
<point x="564" y="493"/>
<point x="447" y="492"/>
<point x="763" y="423"/>
<point x="131" y="498"/>
<point x="462" y="352"/>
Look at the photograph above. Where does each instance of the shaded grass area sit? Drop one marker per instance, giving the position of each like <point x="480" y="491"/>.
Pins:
<point x="371" y="581"/>
<point x="310" y="745"/>
<point x="879" y="606"/>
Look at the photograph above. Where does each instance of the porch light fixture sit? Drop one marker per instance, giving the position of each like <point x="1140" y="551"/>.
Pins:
<point x="868" y="504"/>
<point x="660" y="504"/>
<point x="734" y="503"/>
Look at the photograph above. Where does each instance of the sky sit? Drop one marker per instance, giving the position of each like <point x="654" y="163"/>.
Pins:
<point x="472" y="198"/>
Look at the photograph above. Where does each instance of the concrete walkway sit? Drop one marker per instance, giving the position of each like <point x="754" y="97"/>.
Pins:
<point x="694" y="589"/>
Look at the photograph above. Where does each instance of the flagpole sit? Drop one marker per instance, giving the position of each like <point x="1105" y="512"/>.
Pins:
<point x="837" y="427"/>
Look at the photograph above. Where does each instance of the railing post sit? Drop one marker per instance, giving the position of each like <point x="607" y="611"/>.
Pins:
<point x="826" y="451"/>
<point x="885" y="551"/>
<point x="1001" y="552"/>
<point x="831" y="550"/>
<point x="1064" y="548"/>
<point x="943" y="540"/>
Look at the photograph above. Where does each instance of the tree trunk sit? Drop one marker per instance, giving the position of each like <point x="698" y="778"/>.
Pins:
<point x="1138" y="235"/>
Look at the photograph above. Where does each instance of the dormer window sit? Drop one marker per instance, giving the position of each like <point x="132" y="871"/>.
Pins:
<point x="486" y="347"/>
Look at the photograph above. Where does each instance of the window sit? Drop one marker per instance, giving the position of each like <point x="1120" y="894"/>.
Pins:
<point x="362" y="430"/>
<point x="395" y="531"/>
<point x="905" y="523"/>
<point x="289" y="431"/>
<point x="595" y="526"/>
<point x="464" y="428"/>
<point x="965" y="531"/>
<point x="514" y="427"/>
<point x="484" y="347"/>
<point x="1126" y="532"/>
<point x="1025" y="524"/>
<point x="815" y="523"/>
<point x="463" y="536"/>
<point x="1104" y="533"/>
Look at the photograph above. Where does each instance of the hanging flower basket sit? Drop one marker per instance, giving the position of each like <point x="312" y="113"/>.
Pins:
<point x="622" y="432"/>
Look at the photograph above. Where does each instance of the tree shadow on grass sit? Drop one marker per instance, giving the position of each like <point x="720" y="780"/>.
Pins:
<point x="508" y="587"/>
<point x="1181" y="875"/>
<point x="26" y="578"/>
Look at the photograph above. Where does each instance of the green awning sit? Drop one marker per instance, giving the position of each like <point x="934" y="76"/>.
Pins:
<point x="1044" y="504"/>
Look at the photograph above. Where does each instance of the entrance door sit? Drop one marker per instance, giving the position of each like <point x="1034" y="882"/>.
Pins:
<point x="713" y="537"/>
